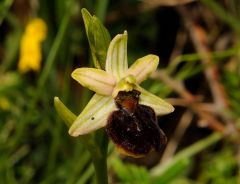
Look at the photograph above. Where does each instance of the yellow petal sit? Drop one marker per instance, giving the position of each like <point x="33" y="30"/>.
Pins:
<point x="116" y="63"/>
<point x="94" y="116"/>
<point x="143" y="67"/>
<point x="95" y="79"/>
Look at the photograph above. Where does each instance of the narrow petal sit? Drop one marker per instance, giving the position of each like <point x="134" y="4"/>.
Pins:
<point x="94" y="116"/>
<point x="160" y="106"/>
<point x="116" y="62"/>
<point x="143" y="67"/>
<point x="94" y="79"/>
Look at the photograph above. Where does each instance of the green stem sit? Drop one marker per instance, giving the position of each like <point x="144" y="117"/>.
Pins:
<point x="86" y="175"/>
<point x="100" y="161"/>
<point x="101" y="9"/>
<point x="53" y="53"/>
<point x="100" y="166"/>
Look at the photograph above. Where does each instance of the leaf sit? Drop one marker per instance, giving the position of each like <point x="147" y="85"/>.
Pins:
<point x="87" y="17"/>
<point x="176" y="170"/>
<point x="102" y="39"/>
<point x="67" y="116"/>
<point x="98" y="38"/>
<point x="129" y="173"/>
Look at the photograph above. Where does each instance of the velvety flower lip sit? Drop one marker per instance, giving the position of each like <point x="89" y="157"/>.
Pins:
<point x="116" y="77"/>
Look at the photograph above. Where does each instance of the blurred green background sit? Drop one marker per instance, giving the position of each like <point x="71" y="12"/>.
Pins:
<point x="199" y="73"/>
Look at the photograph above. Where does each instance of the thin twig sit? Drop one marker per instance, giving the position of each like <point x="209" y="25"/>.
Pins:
<point x="179" y="44"/>
<point x="177" y="136"/>
<point x="178" y="87"/>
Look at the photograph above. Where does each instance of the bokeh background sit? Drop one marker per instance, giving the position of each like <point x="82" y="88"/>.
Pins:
<point x="199" y="73"/>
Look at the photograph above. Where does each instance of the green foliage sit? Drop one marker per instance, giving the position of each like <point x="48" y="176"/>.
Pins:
<point x="130" y="173"/>
<point x="10" y="81"/>
<point x="4" y="8"/>
<point x="224" y="14"/>
<point x="232" y="81"/>
<point x="34" y="144"/>
<point x="219" y="168"/>
<point x="67" y="116"/>
<point x="178" y="169"/>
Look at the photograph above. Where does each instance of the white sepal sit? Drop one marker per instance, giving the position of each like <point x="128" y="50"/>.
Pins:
<point x="160" y="106"/>
<point x="143" y="67"/>
<point x="95" y="79"/>
<point x="94" y="115"/>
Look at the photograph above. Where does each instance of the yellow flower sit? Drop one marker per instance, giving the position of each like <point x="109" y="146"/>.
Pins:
<point x="30" y="46"/>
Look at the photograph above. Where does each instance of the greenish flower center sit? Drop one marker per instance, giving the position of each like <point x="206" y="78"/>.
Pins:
<point x="127" y="83"/>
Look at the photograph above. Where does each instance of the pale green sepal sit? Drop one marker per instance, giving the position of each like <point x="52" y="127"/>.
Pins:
<point x="116" y="62"/>
<point x="67" y="116"/>
<point x="94" y="115"/>
<point x="160" y="106"/>
<point x="95" y="79"/>
<point x="143" y="67"/>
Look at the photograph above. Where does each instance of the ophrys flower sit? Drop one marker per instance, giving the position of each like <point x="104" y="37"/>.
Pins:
<point x="107" y="84"/>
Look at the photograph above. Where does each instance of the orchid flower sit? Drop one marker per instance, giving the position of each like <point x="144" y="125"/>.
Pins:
<point x="106" y="85"/>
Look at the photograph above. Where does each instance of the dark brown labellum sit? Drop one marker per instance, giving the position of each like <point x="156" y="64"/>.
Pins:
<point x="133" y="128"/>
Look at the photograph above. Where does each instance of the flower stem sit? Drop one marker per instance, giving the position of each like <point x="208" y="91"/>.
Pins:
<point x="100" y="166"/>
<point x="101" y="9"/>
<point x="100" y="161"/>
